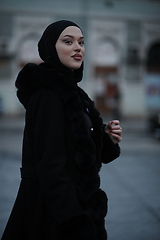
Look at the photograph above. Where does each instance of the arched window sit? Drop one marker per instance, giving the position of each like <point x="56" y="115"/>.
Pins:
<point x="28" y="51"/>
<point x="106" y="63"/>
<point x="106" y="53"/>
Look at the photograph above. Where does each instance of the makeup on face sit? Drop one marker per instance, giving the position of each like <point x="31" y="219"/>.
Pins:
<point x="70" y="47"/>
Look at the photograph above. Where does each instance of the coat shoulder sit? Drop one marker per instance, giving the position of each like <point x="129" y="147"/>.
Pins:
<point x="45" y="96"/>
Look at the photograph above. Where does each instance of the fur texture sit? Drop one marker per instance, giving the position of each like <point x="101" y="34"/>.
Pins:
<point x="59" y="196"/>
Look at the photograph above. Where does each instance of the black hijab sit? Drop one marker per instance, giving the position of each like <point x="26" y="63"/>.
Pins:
<point x="48" y="53"/>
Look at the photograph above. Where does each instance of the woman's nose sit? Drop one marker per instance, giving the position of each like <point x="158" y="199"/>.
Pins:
<point x="77" y="47"/>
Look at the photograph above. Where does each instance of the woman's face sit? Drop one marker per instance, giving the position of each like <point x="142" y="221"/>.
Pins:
<point x="70" y="47"/>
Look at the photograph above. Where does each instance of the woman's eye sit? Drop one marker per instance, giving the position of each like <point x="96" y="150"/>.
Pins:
<point x="81" y="43"/>
<point x="68" y="42"/>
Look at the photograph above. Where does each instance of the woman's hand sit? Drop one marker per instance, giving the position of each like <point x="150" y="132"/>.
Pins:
<point x="114" y="130"/>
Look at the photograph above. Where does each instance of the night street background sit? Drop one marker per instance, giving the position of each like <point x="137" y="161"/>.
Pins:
<point x="131" y="182"/>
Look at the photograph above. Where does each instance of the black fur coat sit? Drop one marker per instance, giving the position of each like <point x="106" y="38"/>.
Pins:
<point x="63" y="149"/>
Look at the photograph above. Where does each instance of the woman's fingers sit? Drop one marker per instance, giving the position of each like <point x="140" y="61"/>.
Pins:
<point x="116" y="137"/>
<point x="115" y="131"/>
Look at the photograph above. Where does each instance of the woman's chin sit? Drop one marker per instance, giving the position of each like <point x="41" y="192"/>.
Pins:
<point x="75" y="66"/>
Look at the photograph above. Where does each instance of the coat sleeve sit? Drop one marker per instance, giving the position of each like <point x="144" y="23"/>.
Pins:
<point x="48" y="124"/>
<point x="110" y="151"/>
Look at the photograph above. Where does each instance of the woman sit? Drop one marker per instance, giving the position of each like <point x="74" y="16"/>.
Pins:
<point x="65" y="143"/>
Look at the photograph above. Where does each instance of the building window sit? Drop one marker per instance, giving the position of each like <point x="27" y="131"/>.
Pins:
<point x="133" y="65"/>
<point x="6" y="25"/>
<point x="134" y="31"/>
<point x="6" y="34"/>
<point x="28" y="51"/>
<point x="153" y="59"/>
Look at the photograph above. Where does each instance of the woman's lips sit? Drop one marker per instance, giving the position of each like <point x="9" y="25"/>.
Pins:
<point x="77" y="56"/>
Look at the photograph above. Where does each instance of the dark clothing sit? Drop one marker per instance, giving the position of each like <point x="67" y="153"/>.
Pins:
<point x="63" y="149"/>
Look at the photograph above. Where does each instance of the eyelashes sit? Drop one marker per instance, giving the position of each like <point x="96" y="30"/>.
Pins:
<point x="69" y="42"/>
<point x="81" y="43"/>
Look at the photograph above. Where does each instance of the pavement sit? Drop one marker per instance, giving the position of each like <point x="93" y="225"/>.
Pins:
<point x="131" y="182"/>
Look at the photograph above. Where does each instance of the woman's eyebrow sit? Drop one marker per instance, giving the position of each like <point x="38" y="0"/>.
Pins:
<point x="71" y="36"/>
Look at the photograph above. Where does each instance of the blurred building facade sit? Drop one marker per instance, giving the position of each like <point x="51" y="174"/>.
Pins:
<point x="122" y="40"/>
